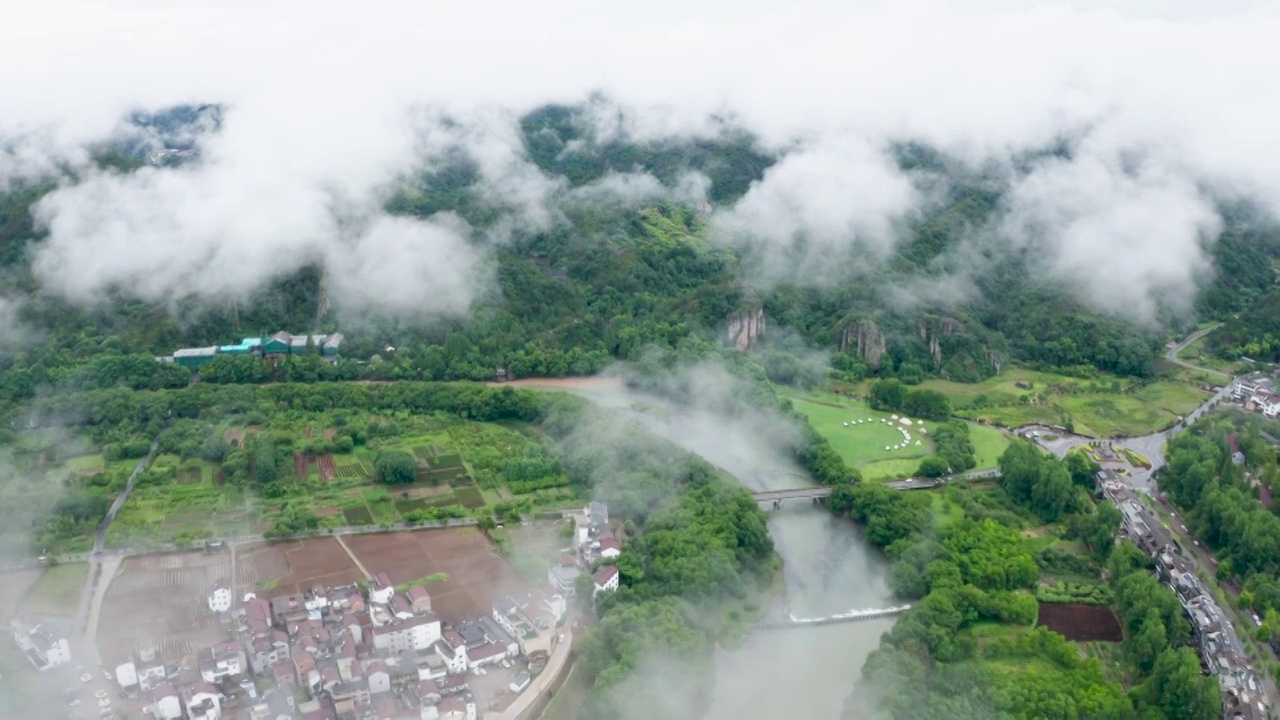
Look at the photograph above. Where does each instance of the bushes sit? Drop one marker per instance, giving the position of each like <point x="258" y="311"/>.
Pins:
<point x="395" y="467"/>
<point x="1075" y="592"/>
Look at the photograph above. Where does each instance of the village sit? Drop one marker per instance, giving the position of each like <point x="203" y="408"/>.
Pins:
<point x="1221" y="651"/>
<point x="363" y="650"/>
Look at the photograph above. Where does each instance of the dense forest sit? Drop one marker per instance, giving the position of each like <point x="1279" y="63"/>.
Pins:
<point x="608" y="283"/>
<point x="975" y="573"/>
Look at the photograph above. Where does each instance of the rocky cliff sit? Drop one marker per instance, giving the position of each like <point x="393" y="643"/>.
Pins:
<point x="746" y="327"/>
<point x="865" y="339"/>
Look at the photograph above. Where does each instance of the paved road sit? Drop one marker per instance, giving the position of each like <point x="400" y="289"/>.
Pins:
<point x="1172" y="355"/>
<point x="525" y="702"/>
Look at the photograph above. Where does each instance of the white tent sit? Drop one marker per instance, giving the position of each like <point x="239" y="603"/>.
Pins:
<point x="846" y="424"/>
<point x="905" y="421"/>
<point x="917" y="442"/>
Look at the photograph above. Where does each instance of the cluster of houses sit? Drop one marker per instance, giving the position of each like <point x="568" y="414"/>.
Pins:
<point x="1221" y="651"/>
<point x="595" y="549"/>
<point x="1257" y="393"/>
<point x="278" y="345"/>
<point x="44" y="647"/>
<point x="371" y="652"/>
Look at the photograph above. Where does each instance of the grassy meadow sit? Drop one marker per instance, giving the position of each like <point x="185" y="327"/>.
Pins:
<point x="863" y="445"/>
<point x="1102" y="407"/>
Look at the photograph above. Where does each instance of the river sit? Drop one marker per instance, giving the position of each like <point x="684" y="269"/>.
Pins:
<point x="828" y="566"/>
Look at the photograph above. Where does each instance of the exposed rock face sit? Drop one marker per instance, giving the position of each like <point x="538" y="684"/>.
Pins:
<point x="322" y="302"/>
<point x="866" y="340"/>
<point x="944" y="327"/>
<point x="745" y="328"/>
<point x="995" y="361"/>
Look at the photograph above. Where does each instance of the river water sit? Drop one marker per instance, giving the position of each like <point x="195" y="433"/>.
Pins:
<point x="829" y="568"/>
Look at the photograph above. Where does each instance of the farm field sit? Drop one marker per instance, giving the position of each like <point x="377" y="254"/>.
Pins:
<point x="161" y="601"/>
<point x="1080" y="623"/>
<point x="474" y="572"/>
<point x="325" y="465"/>
<point x="14" y="585"/>
<point x="1104" y="407"/>
<point x="862" y="446"/>
<point x="57" y="591"/>
<point x="285" y="568"/>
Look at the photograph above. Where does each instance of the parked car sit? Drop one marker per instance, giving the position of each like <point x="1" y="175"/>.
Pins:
<point x="100" y="694"/>
<point x="75" y="702"/>
<point x="86" y="677"/>
<point x="106" y="675"/>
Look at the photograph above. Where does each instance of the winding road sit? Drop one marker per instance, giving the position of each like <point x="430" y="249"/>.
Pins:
<point x="1172" y="355"/>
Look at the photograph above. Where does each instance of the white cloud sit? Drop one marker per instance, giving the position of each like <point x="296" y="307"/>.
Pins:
<point x="833" y="194"/>
<point x="319" y="106"/>
<point x="407" y="267"/>
<point x="1127" y="238"/>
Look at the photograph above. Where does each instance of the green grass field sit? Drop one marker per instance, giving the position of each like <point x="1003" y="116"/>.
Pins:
<point x="862" y="446"/>
<point x="58" y="590"/>
<point x="1103" y="407"/>
<point x="857" y="444"/>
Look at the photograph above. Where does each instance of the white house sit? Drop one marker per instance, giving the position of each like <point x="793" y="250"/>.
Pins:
<point x="1268" y="403"/>
<point x="127" y="675"/>
<point x="453" y="651"/>
<point x="220" y="597"/>
<point x="226" y="659"/>
<point x="45" y="649"/>
<point x="378" y="677"/>
<point x="419" y="632"/>
<point x="564" y="578"/>
<point x="610" y="548"/>
<point x="165" y="703"/>
<point x="203" y="702"/>
<point x="381" y="589"/>
<point x="606" y="579"/>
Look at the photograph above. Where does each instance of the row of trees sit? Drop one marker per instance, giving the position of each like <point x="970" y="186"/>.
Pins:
<point x="891" y="395"/>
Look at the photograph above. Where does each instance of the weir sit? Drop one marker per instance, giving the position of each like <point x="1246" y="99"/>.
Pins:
<point x="847" y="617"/>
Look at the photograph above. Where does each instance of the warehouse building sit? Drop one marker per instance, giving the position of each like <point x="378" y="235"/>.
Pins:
<point x="277" y="345"/>
<point x="194" y="357"/>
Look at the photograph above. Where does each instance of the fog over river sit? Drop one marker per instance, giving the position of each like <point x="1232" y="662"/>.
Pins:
<point x="829" y="568"/>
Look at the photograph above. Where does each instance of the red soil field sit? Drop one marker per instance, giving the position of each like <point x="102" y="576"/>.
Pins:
<point x="327" y="469"/>
<point x="296" y="566"/>
<point x="476" y="573"/>
<point x="1081" y="623"/>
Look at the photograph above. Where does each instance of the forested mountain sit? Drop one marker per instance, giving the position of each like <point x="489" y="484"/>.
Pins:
<point x="605" y="281"/>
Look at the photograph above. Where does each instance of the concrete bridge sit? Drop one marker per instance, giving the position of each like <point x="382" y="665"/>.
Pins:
<point x="775" y="498"/>
<point x="792" y="621"/>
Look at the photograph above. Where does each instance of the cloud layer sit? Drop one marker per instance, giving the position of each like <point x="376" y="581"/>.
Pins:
<point x="325" y="108"/>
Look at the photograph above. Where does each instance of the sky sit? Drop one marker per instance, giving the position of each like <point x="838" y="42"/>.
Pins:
<point x="329" y="103"/>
